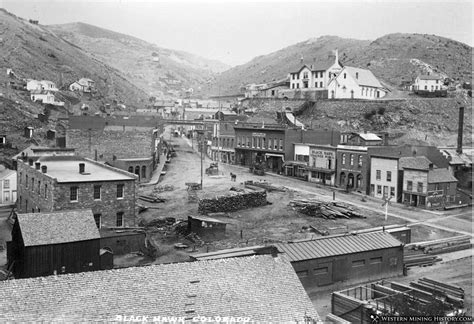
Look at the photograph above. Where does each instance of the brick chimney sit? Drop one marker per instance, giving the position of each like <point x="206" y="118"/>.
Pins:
<point x="30" y="162"/>
<point x="37" y="165"/>
<point x="82" y="167"/>
<point x="44" y="169"/>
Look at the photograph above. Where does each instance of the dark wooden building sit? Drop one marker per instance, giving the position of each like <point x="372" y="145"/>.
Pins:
<point x="206" y="227"/>
<point x="54" y="243"/>
<point x="357" y="257"/>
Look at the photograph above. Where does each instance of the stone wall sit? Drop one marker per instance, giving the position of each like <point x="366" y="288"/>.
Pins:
<point x="232" y="203"/>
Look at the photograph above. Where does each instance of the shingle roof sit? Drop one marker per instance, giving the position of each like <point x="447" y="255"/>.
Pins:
<point x="416" y="163"/>
<point x="261" y="288"/>
<point x="440" y="175"/>
<point x="365" y="77"/>
<point x="337" y="245"/>
<point x="58" y="227"/>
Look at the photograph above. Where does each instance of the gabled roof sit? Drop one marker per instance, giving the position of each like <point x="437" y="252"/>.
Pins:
<point x="337" y="245"/>
<point x="58" y="227"/>
<point x="4" y="172"/>
<point x="429" y="77"/>
<point x="364" y="77"/>
<point x="260" y="288"/>
<point x="304" y="66"/>
<point x="440" y="175"/>
<point x="415" y="163"/>
<point x="369" y="137"/>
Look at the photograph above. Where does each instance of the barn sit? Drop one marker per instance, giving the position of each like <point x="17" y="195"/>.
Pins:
<point x="54" y="243"/>
<point x="356" y="257"/>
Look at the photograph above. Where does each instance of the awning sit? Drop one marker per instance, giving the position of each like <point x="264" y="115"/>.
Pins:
<point x="299" y="163"/>
<point x="275" y="155"/>
<point x="323" y="170"/>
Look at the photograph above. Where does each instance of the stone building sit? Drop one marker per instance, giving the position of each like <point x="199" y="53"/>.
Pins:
<point x="53" y="183"/>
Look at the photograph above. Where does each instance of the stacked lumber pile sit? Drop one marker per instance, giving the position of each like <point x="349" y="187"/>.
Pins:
<point x="151" y="199"/>
<point x="324" y="209"/>
<point x="232" y="203"/>
<point x="445" y="245"/>
<point x="263" y="185"/>
<point x="451" y="294"/>
<point x="416" y="258"/>
<point x="160" y="188"/>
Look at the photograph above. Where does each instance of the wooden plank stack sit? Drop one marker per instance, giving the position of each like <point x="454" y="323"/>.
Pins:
<point x="324" y="209"/>
<point x="151" y="199"/>
<point x="414" y="258"/>
<point x="264" y="185"/>
<point x="445" y="245"/>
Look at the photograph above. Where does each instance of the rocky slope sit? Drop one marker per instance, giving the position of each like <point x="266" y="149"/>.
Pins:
<point x="159" y="71"/>
<point x="392" y="58"/>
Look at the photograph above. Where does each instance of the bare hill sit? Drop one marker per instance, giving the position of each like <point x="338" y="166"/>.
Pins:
<point x="159" y="71"/>
<point x="393" y="58"/>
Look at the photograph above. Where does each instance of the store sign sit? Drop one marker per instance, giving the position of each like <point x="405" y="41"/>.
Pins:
<point x="258" y="134"/>
<point x="323" y="154"/>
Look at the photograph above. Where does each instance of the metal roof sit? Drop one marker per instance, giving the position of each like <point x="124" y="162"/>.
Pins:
<point x="207" y="219"/>
<point x="227" y="253"/>
<point x="338" y="245"/>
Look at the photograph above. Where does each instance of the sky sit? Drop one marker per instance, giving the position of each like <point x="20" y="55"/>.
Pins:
<point x="235" y="32"/>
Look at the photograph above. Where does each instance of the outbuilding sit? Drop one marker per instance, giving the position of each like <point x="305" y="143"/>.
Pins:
<point x="357" y="257"/>
<point x="206" y="227"/>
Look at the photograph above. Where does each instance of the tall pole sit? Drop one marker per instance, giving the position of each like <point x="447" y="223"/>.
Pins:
<point x="202" y="141"/>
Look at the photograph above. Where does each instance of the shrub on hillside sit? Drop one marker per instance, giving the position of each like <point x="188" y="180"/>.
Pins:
<point x="381" y="111"/>
<point x="369" y="114"/>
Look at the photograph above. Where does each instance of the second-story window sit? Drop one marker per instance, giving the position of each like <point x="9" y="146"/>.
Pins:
<point x="45" y="190"/>
<point x="120" y="191"/>
<point x="409" y="185"/>
<point x="281" y="145"/>
<point x="32" y="184"/>
<point x="377" y="174"/>
<point x="389" y="175"/>
<point x="73" y="193"/>
<point x="360" y="160"/>
<point x="420" y="187"/>
<point x="343" y="158"/>
<point x="97" y="192"/>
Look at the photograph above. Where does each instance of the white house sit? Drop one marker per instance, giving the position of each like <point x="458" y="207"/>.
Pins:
<point x="33" y="85"/>
<point x="384" y="177"/>
<point x="356" y="83"/>
<point x="75" y="86"/>
<point x="316" y="76"/>
<point x="7" y="186"/>
<point x="428" y="83"/>
<point x="46" y="97"/>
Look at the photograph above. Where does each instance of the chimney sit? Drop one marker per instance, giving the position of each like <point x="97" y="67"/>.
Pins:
<point x="460" y="128"/>
<point x="337" y="56"/>
<point x="430" y="166"/>
<point x="82" y="167"/>
<point x="44" y="169"/>
<point x="37" y="165"/>
<point x="30" y="162"/>
<point x="95" y="155"/>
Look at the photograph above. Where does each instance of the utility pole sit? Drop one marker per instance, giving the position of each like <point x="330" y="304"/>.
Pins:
<point x="202" y="149"/>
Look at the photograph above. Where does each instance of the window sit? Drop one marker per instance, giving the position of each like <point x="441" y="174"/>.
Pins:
<point x="39" y="187"/>
<point x="297" y="86"/>
<point x="253" y="141"/>
<point x="248" y="141"/>
<point x="264" y="144"/>
<point x="97" y="218"/>
<point x="426" y="87"/>
<point x="281" y="145"/>
<point x="357" y="75"/>
<point x="389" y="175"/>
<point x="119" y="222"/>
<point x="343" y="158"/>
<point x="358" y="263"/>
<point x="419" y="187"/>
<point x="378" y="175"/>
<point x="352" y="159"/>
<point x="45" y="190"/>
<point x="32" y="184"/>
<point x="315" y="84"/>
<point x="120" y="191"/>
<point x="305" y="75"/>
<point x="302" y="274"/>
<point x="321" y="84"/>
<point x="275" y="143"/>
<point x="344" y="75"/>
<point x="6" y="194"/>
<point x="73" y="193"/>
<point x="97" y="192"/>
<point x="379" y="189"/>
<point x="320" y="271"/>
<point x="385" y="191"/>
<point x="360" y="160"/>
<point x="409" y="185"/>
<point x="21" y="175"/>
<point x="6" y="184"/>
<point x="392" y="191"/>
<point x="376" y="260"/>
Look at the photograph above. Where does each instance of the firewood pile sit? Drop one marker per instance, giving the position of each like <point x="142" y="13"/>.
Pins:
<point x="151" y="198"/>
<point x="162" y="188"/>
<point x="324" y="209"/>
<point x="230" y="203"/>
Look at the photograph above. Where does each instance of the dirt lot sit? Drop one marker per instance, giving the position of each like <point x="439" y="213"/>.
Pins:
<point x="274" y="222"/>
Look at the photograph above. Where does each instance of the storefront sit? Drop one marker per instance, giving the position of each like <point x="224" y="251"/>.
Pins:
<point x="322" y="164"/>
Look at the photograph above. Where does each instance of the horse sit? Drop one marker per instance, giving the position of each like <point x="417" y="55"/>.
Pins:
<point x="233" y="177"/>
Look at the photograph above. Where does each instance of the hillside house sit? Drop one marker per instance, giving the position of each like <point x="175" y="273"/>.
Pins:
<point x="54" y="183"/>
<point x="7" y="186"/>
<point x="429" y="83"/>
<point x="259" y="288"/>
<point x="75" y="86"/>
<point x="87" y="84"/>
<point x="45" y="97"/>
<point x="355" y="83"/>
<point x="425" y="186"/>
<point x="61" y="242"/>
<point x="266" y="90"/>
<point x="45" y="85"/>
<point x="316" y="76"/>
<point x="364" y="139"/>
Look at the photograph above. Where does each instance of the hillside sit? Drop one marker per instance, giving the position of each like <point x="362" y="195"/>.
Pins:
<point x="157" y="70"/>
<point x="393" y="58"/>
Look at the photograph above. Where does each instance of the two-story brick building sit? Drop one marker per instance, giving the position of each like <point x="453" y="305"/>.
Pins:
<point x="52" y="183"/>
<point x="352" y="167"/>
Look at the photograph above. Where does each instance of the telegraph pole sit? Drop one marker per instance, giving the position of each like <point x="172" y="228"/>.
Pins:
<point x="202" y="149"/>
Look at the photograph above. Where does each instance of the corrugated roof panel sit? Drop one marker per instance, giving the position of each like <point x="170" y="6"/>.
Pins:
<point x="338" y="245"/>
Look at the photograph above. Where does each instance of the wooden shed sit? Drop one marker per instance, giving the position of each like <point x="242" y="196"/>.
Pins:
<point x="54" y="243"/>
<point x="206" y="227"/>
<point x="358" y="257"/>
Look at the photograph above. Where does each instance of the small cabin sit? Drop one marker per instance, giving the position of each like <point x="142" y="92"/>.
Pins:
<point x="206" y="227"/>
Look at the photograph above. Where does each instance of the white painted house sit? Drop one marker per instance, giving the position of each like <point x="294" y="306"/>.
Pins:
<point x="384" y="177"/>
<point x="316" y="76"/>
<point x="356" y="83"/>
<point x="428" y="83"/>
<point x="46" y="85"/>
<point x="7" y="186"/>
<point x="46" y="97"/>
